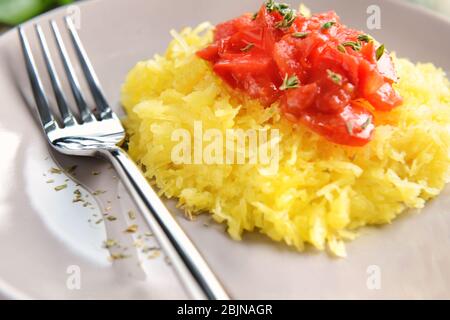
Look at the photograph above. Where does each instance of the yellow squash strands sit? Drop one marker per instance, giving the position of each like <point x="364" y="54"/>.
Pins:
<point x="322" y="192"/>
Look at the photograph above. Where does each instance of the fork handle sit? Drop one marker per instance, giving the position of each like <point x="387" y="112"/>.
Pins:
<point x="193" y="271"/>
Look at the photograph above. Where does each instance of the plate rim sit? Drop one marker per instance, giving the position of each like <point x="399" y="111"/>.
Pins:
<point x="12" y="293"/>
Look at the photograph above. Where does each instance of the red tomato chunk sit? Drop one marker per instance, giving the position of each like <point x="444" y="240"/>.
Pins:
<point x="325" y="75"/>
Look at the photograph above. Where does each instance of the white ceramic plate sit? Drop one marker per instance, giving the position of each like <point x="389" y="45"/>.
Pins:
<point x="46" y="240"/>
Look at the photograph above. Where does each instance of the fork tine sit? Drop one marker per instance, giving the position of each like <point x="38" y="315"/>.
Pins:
<point x="86" y="114"/>
<point x="48" y="122"/>
<point x="92" y="79"/>
<point x="67" y="115"/>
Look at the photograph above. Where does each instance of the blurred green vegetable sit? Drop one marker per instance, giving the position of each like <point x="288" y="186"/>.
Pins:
<point x="13" y="12"/>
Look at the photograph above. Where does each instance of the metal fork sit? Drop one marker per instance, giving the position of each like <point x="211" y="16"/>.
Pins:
<point x="101" y="135"/>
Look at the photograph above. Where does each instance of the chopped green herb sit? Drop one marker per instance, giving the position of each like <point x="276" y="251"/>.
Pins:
<point x="99" y="221"/>
<point x="367" y="123"/>
<point x="286" y="12"/>
<point x="341" y="48"/>
<point x="149" y="249"/>
<point x="282" y="6"/>
<point x="354" y="45"/>
<point x="328" y="25"/>
<point x="380" y="51"/>
<point x="131" y="229"/>
<point x="288" y="19"/>
<point x="75" y="200"/>
<point x="111" y="218"/>
<point x="118" y="256"/>
<point x="109" y="243"/>
<point x="61" y="187"/>
<point x="55" y="171"/>
<point x="290" y="82"/>
<point x="248" y="47"/>
<point x="77" y="196"/>
<point x="335" y="77"/>
<point x="50" y="181"/>
<point x="364" y="38"/>
<point x="255" y="15"/>
<point x="300" y="35"/>
<point x="131" y="215"/>
<point x="270" y="5"/>
<point x="87" y="204"/>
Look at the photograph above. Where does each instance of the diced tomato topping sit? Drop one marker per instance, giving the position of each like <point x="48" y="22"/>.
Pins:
<point x="210" y="53"/>
<point x="296" y="101"/>
<point x="352" y="126"/>
<point x="386" y="98"/>
<point x="319" y="69"/>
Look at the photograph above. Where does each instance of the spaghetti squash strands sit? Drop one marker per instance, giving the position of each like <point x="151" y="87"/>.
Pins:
<point x="322" y="192"/>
